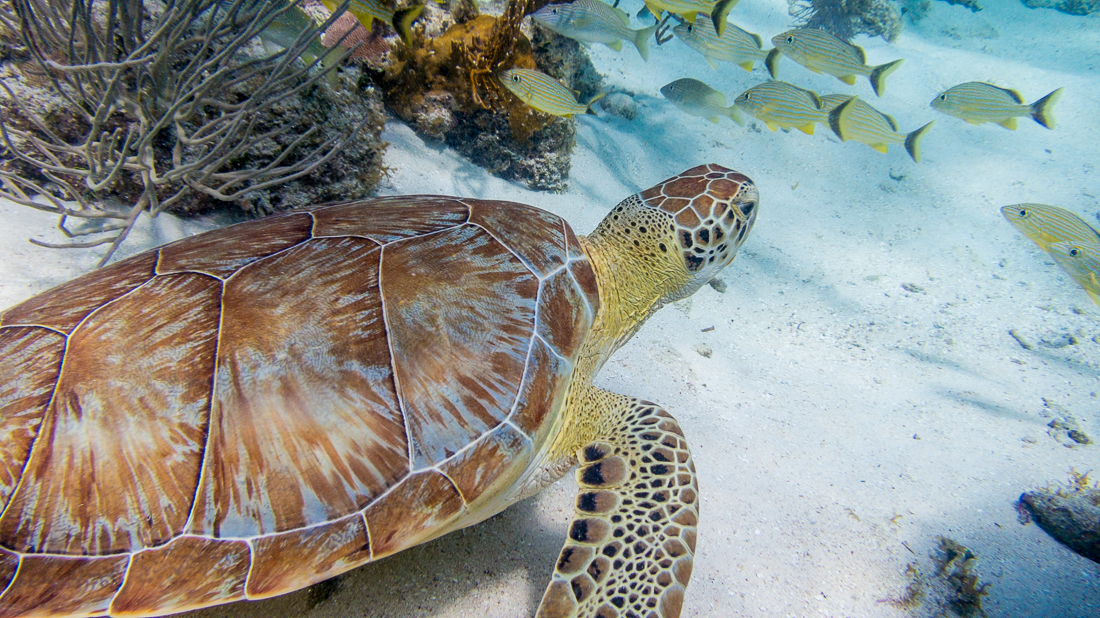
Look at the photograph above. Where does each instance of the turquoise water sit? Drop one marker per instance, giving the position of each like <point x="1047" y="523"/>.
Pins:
<point x="860" y="389"/>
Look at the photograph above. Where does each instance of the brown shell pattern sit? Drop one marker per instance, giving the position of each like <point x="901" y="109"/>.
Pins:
<point x="255" y="409"/>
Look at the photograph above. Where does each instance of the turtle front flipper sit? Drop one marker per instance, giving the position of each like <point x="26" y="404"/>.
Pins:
<point x="632" y="540"/>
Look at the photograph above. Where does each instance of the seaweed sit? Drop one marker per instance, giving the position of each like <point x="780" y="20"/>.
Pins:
<point x="446" y="87"/>
<point x="953" y="589"/>
<point x="965" y="593"/>
<point x="847" y="18"/>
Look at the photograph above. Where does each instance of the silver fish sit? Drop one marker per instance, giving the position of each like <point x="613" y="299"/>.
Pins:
<point x="698" y="99"/>
<point x="593" y="21"/>
<point x="735" y="45"/>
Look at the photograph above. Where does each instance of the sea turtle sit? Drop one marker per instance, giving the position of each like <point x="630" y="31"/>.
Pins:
<point x="255" y="409"/>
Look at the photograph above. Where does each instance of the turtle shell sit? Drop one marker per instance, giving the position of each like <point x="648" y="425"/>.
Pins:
<point x="257" y="408"/>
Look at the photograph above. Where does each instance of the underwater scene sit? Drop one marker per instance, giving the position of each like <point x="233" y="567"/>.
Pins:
<point x="885" y="405"/>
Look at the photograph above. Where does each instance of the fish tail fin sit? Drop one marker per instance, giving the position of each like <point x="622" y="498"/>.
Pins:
<point x="772" y="62"/>
<point x="838" y="118"/>
<point x="641" y="40"/>
<point x="403" y="20"/>
<point x="1041" y="109"/>
<point x="719" y="13"/>
<point x="735" y="115"/>
<point x="912" y="141"/>
<point x="588" y="106"/>
<point x="881" y="72"/>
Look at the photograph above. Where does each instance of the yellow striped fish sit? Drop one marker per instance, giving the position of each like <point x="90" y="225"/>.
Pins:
<point x="856" y="120"/>
<point x="1081" y="261"/>
<point x="1046" y="225"/>
<point x="821" y="52"/>
<point x="978" y="102"/>
<point x="829" y="102"/>
<point x="698" y="99"/>
<point x="545" y="93"/>
<point x="735" y="45"/>
<point x="688" y="9"/>
<point x="368" y="10"/>
<point x="779" y="104"/>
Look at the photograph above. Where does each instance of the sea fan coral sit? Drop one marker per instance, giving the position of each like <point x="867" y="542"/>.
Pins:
<point x="112" y="110"/>
<point x="847" y="18"/>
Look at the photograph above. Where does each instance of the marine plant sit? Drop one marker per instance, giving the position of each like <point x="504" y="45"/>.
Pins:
<point x="847" y="18"/>
<point x="145" y="106"/>
<point x="447" y="88"/>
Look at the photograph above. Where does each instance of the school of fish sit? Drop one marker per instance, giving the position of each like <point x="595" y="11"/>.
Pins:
<point x="1070" y="242"/>
<point x="1065" y="237"/>
<point x="778" y="104"/>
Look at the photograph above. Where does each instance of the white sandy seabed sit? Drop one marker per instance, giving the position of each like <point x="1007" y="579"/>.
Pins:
<point x="855" y="394"/>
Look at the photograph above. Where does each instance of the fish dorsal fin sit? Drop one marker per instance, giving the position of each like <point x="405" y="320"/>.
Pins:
<point x="890" y="120"/>
<point x="816" y="99"/>
<point x="860" y="54"/>
<point x="756" y="38"/>
<point x="623" y="15"/>
<point x="1015" y="96"/>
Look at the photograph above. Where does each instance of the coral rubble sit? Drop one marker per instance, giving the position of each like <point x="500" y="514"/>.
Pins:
<point x="973" y="5"/>
<point x="847" y="18"/>
<point x="1070" y="515"/>
<point x="1073" y="7"/>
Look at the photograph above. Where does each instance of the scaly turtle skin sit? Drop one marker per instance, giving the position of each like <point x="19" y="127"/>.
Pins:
<point x="252" y="410"/>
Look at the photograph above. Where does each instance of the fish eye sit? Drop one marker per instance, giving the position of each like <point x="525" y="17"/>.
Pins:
<point x="943" y="97"/>
<point x="515" y="78"/>
<point x="1075" y="252"/>
<point x="1023" y="212"/>
<point x="554" y="11"/>
<point x="691" y="27"/>
<point x="790" y="39"/>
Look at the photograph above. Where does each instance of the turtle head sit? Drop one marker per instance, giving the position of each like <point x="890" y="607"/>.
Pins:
<point x="683" y="231"/>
